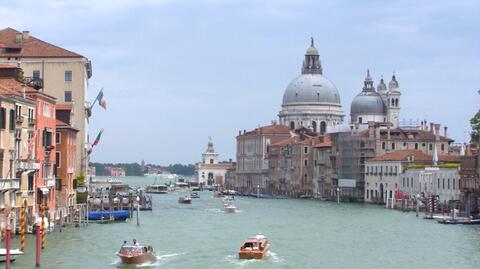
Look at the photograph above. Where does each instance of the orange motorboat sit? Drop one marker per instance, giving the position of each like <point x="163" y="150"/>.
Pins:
<point x="254" y="248"/>
<point x="136" y="254"/>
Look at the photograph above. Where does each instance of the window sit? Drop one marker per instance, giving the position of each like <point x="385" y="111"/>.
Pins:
<point x="36" y="74"/>
<point x="448" y="182"/>
<point x="58" y="158"/>
<point x="305" y="150"/>
<point x="403" y="185"/>
<point x="305" y="177"/>
<point x="314" y="126"/>
<point x="396" y="102"/>
<point x="68" y="75"/>
<point x="407" y="182"/>
<point x="323" y="127"/>
<point x="305" y="162"/>
<point x="18" y="111"/>
<point x="58" y="138"/>
<point x="359" y="119"/>
<point x="423" y="144"/>
<point x="211" y="161"/>
<point x="438" y="183"/>
<point x="58" y="184"/>
<point x="68" y="96"/>
<point x="443" y="183"/>
<point x="393" y="145"/>
<point x="47" y="138"/>
<point x="3" y="118"/>
<point x="443" y="147"/>
<point x="412" y="182"/>
<point x="416" y="145"/>
<point x="430" y="147"/>
<point x="12" y="120"/>
<point x="453" y="184"/>
<point x="292" y="125"/>
<point x="383" y="145"/>
<point x="30" y="181"/>
<point x="30" y="114"/>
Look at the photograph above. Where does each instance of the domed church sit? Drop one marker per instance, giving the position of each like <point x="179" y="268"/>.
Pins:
<point x="381" y="105"/>
<point x="311" y="100"/>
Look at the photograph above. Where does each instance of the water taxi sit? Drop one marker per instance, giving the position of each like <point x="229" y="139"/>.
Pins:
<point x="229" y="207"/>
<point x="158" y="189"/>
<point x="254" y="248"/>
<point x="136" y="254"/>
<point x="185" y="200"/>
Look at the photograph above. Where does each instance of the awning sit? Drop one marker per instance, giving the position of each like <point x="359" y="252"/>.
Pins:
<point x="44" y="190"/>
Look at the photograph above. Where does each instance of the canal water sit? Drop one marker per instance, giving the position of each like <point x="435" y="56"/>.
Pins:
<point x="303" y="234"/>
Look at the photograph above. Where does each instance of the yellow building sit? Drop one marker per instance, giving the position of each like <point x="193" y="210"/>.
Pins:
<point x="63" y="74"/>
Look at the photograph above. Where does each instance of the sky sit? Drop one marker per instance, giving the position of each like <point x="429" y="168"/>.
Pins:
<point x="176" y="72"/>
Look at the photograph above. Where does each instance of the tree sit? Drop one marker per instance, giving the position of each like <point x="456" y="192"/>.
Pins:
<point x="475" y="124"/>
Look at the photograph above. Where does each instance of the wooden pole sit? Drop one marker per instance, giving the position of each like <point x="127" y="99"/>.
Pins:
<point x="138" y="220"/>
<point x="7" y="245"/>
<point x="43" y="226"/>
<point x="22" y="230"/>
<point x="37" y="236"/>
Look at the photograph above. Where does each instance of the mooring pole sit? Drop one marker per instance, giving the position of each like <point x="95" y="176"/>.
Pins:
<point x="43" y="226"/>
<point x="7" y="245"/>
<point x="22" y="230"/>
<point x="37" y="236"/>
<point x="138" y="215"/>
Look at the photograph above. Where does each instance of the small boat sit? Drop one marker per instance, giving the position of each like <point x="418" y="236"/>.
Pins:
<point x="468" y="221"/>
<point x="218" y="194"/>
<point x="107" y="214"/>
<point x="254" y="248"/>
<point x="13" y="253"/>
<point x="194" y="195"/>
<point x="185" y="200"/>
<point x="136" y="254"/>
<point x="229" y="207"/>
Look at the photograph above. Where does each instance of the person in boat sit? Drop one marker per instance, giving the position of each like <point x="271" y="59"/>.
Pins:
<point x="135" y="242"/>
<point x="124" y="243"/>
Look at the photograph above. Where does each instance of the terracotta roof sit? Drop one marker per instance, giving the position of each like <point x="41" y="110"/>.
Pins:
<point x="7" y="65"/>
<point x="284" y="142"/>
<point x="408" y="135"/>
<point x="418" y="156"/>
<point x="403" y="155"/>
<point x="32" y="47"/>
<point x="269" y="129"/>
<point x="12" y="87"/>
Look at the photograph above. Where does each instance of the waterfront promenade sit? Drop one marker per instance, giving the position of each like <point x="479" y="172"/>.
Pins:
<point x="303" y="233"/>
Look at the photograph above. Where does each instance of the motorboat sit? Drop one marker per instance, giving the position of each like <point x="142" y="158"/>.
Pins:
<point x="13" y="253"/>
<point x="135" y="254"/>
<point x="108" y="215"/>
<point x="254" y="248"/>
<point x="156" y="188"/>
<point x="229" y="207"/>
<point x="218" y="194"/>
<point x="194" y="195"/>
<point x="185" y="200"/>
<point x="468" y="221"/>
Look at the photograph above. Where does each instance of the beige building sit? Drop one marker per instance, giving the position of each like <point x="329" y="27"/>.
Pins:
<point x="17" y="165"/>
<point x="63" y="74"/>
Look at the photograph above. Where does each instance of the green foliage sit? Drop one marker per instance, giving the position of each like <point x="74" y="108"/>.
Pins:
<point x="422" y="166"/>
<point x="181" y="169"/>
<point x="80" y="179"/>
<point x="475" y="124"/>
<point x="82" y="198"/>
<point x="449" y="165"/>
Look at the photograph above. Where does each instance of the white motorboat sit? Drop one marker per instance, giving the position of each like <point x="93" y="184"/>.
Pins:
<point x="229" y="207"/>
<point x="13" y="253"/>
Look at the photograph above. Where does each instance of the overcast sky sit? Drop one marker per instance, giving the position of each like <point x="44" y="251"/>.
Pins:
<point x="177" y="72"/>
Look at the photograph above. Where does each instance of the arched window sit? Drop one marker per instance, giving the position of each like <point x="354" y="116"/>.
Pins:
<point x="323" y="127"/>
<point x="430" y="147"/>
<point x="393" y="102"/>
<point x="314" y="126"/>
<point x="443" y="147"/>
<point x="292" y="125"/>
<point x="396" y="102"/>
<point x="383" y="145"/>
<point x="359" y="119"/>
<point x="367" y="194"/>
<point x="393" y="145"/>
<point x="416" y="145"/>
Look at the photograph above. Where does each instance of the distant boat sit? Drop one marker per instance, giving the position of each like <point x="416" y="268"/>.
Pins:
<point x="136" y="254"/>
<point x="185" y="200"/>
<point x="468" y="221"/>
<point x="108" y="181"/>
<point x="194" y="195"/>
<point x="156" y="188"/>
<point x="254" y="248"/>
<point x="229" y="207"/>
<point x="13" y="253"/>
<point x="107" y="214"/>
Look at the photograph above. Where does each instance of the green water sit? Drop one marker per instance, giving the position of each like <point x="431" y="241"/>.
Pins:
<point x="303" y="234"/>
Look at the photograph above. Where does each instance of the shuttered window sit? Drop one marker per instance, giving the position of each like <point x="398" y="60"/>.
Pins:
<point x="12" y="120"/>
<point x="3" y="118"/>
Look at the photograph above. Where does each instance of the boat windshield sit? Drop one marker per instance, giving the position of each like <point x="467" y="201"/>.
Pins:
<point x="132" y="249"/>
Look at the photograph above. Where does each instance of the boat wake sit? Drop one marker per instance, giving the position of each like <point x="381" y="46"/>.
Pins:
<point x="274" y="256"/>
<point x="161" y="259"/>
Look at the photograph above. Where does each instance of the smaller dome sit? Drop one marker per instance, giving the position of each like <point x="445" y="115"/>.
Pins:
<point x="381" y="87"/>
<point x="367" y="103"/>
<point x="312" y="50"/>
<point x="393" y="84"/>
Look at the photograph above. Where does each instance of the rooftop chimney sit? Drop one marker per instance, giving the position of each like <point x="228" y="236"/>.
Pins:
<point x="437" y="132"/>
<point x="431" y="127"/>
<point x="25" y="35"/>
<point x="445" y="131"/>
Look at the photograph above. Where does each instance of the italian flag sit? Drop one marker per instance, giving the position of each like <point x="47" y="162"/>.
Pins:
<point x="102" y="102"/>
<point x="97" y="139"/>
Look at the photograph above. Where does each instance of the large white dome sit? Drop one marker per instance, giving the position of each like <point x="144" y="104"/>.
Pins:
<point x="311" y="89"/>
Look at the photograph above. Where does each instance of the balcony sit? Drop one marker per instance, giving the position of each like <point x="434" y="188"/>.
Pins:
<point x="50" y="182"/>
<point x="27" y="165"/>
<point x="34" y="82"/>
<point x="19" y="119"/>
<point x="31" y="122"/>
<point x="9" y="184"/>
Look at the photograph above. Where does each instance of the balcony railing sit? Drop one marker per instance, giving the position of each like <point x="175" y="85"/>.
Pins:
<point x="31" y="121"/>
<point x="26" y="165"/>
<point x="19" y="119"/>
<point x="50" y="182"/>
<point x="36" y="83"/>
<point x="9" y="184"/>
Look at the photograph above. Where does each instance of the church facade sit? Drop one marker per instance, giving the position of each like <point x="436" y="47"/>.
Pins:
<point x="211" y="172"/>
